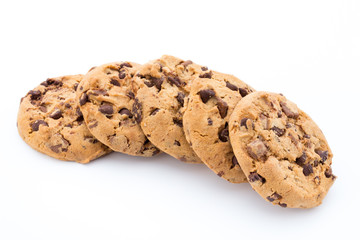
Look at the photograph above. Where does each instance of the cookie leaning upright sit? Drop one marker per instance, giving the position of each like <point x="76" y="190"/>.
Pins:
<point x="206" y="122"/>
<point x="106" y="101"/>
<point x="164" y="85"/>
<point x="49" y="120"/>
<point x="281" y="150"/>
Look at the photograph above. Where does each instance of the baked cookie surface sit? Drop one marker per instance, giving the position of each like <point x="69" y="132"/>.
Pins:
<point x="281" y="150"/>
<point x="206" y="122"/>
<point x="106" y="101"/>
<point x="164" y="85"/>
<point x="50" y="121"/>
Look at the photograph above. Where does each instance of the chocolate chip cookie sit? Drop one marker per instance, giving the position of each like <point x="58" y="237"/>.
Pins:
<point x="283" y="153"/>
<point x="50" y="121"/>
<point x="206" y="122"/>
<point x="164" y="85"/>
<point x="106" y="101"/>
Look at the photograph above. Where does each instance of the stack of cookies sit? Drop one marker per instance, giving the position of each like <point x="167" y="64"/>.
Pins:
<point x="190" y="112"/>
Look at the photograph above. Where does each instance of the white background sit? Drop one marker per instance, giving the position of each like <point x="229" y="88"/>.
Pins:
<point x="307" y="50"/>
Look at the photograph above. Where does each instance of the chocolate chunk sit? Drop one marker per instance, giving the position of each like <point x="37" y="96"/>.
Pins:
<point x="174" y="81"/>
<point x="284" y="205"/>
<point x="180" y="97"/>
<point x="243" y="92"/>
<point x="307" y="169"/>
<point x="93" y="125"/>
<point x="288" y="125"/>
<point x="50" y="81"/>
<point x="115" y="82"/>
<point x="301" y="160"/>
<point x="224" y="133"/>
<point x="222" y="107"/>
<point x="178" y="122"/>
<point x="186" y="63"/>
<point x="278" y="131"/>
<point x="206" y="75"/>
<point x="158" y="82"/>
<point x="125" y="65"/>
<point x="257" y="149"/>
<point x="56" y="148"/>
<point x="210" y="122"/>
<point x="220" y="174"/>
<point x="323" y="154"/>
<point x="83" y="99"/>
<point x="122" y="74"/>
<point x="328" y="173"/>
<point x="34" y="94"/>
<point x="35" y="125"/>
<point x="98" y="92"/>
<point x="131" y="95"/>
<point x="243" y="122"/>
<point x="231" y="86"/>
<point x="153" y="112"/>
<point x="125" y="111"/>
<point x="137" y="110"/>
<point x="177" y="143"/>
<point x="306" y="136"/>
<point x="279" y="114"/>
<point x="76" y="86"/>
<point x="43" y="109"/>
<point x="254" y="176"/>
<point x="288" y="112"/>
<point x="56" y="114"/>
<point x="67" y="105"/>
<point x="206" y="94"/>
<point x="156" y="151"/>
<point x="149" y="83"/>
<point x="273" y="197"/>
<point x="293" y="139"/>
<point x="316" y="163"/>
<point x="234" y="161"/>
<point x="106" y="109"/>
<point x="204" y="68"/>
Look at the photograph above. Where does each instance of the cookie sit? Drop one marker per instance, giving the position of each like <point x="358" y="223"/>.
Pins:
<point x="283" y="153"/>
<point x="106" y="101"/>
<point x="50" y="121"/>
<point x="164" y="85"/>
<point x="206" y="122"/>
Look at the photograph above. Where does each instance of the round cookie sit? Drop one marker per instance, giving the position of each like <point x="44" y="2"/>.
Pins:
<point x="106" y="101"/>
<point x="206" y="121"/>
<point x="283" y="153"/>
<point x="50" y="121"/>
<point x="164" y="85"/>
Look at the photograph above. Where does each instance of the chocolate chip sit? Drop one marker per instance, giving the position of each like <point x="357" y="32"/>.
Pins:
<point x="34" y="94"/>
<point x="231" y="86"/>
<point x="98" y="92"/>
<point x="278" y="131"/>
<point x="153" y="112"/>
<point x="50" y="81"/>
<point x="224" y="133"/>
<point x="206" y="94"/>
<point x="204" y="68"/>
<point x="222" y="107"/>
<point x="125" y="65"/>
<point x="316" y="163"/>
<point x="35" y="125"/>
<point x="115" y="82"/>
<point x="125" y="111"/>
<point x="122" y="74"/>
<point x="186" y="63"/>
<point x="273" y="197"/>
<point x="254" y="176"/>
<point x="56" y="148"/>
<point x="234" y="161"/>
<point x="106" y="109"/>
<point x="243" y="122"/>
<point x="206" y="75"/>
<point x="288" y="112"/>
<point x="288" y="125"/>
<point x="257" y="149"/>
<point x="83" y="99"/>
<point x="56" y="114"/>
<point x="156" y="151"/>
<point x="177" y="143"/>
<point x="301" y="160"/>
<point x="174" y="81"/>
<point x="43" y="109"/>
<point x="323" y="154"/>
<point x="279" y="114"/>
<point x="307" y="136"/>
<point x="307" y="169"/>
<point x="94" y="125"/>
<point x="180" y="97"/>
<point x="243" y="92"/>
<point x="158" y="82"/>
<point x="137" y="110"/>
<point x="76" y="86"/>
<point x="131" y="95"/>
<point x="210" y="122"/>
<point x="284" y="205"/>
<point x="328" y="173"/>
<point x="67" y="105"/>
<point x="220" y="174"/>
<point x="178" y="122"/>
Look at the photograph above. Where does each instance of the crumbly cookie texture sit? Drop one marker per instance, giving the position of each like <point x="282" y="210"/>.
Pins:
<point x="50" y="121"/>
<point x="106" y="100"/>
<point x="206" y="122"/>
<point x="163" y="86"/>
<point x="283" y="153"/>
